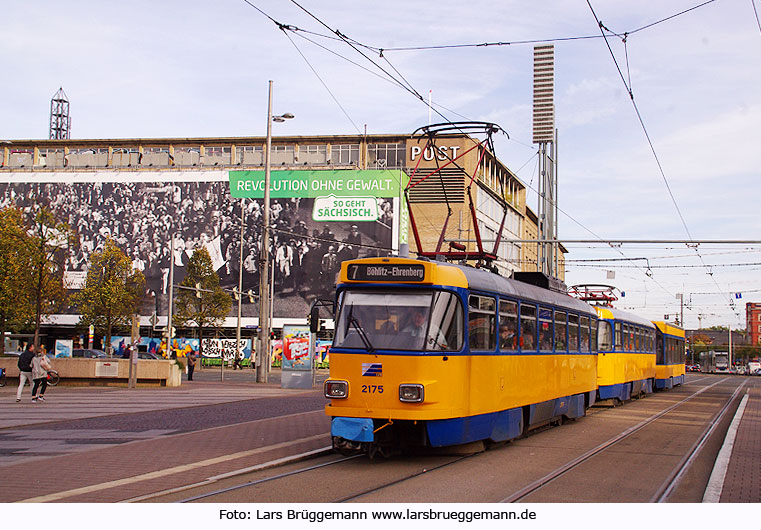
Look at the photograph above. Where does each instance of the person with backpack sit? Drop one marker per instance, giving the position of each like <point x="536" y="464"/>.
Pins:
<point x="40" y="367"/>
<point x="25" y="370"/>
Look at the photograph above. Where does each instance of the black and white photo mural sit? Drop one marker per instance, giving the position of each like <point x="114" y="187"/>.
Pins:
<point x="318" y="219"/>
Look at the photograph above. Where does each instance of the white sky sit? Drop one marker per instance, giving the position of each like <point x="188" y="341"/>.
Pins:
<point x="197" y="69"/>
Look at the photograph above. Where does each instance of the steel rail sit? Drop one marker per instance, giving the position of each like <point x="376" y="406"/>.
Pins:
<point x="268" y="479"/>
<point x="673" y="480"/>
<point x="552" y="476"/>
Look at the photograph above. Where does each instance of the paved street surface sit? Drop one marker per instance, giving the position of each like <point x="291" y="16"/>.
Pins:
<point x="94" y="444"/>
<point x="111" y="444"/>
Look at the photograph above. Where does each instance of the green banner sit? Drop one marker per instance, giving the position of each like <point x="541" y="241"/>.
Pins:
<point x="320" y="183"/>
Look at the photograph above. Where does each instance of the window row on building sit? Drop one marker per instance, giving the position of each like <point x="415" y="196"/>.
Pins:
<point x="376" y="156"/>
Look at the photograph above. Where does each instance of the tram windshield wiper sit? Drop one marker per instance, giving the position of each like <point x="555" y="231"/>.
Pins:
<point x="360" y="331"/>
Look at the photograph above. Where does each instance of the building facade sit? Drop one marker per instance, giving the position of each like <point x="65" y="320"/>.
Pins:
<point x="146" y="192"/>
<point x="753" y="323"/>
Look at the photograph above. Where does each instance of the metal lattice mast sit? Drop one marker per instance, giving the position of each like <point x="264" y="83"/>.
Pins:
<point x="545" y="136"/>
<point x="60" y="121"/>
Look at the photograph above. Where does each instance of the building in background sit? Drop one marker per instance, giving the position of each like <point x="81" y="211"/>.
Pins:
<point x="144" y="192"/>
<point x="753" y="323"/>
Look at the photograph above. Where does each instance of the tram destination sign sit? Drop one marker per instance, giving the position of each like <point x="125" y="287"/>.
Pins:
<point x="385" y="272"/>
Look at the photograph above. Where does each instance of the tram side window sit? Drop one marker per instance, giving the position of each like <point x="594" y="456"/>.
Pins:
<point x="624" y="337"/>
<point x="619" y="337"/>
<point x="604" y="336"/>
<point x="573" y="333"/>
<point x="482" y="322"/>
<point x="584" y="329"/>
<point x="508" y="325"/>
<point x="593" y="338"/>
<point x="560" y="330"/>
<point x="545" y="329"/>
<point x="528" y="327"/>
<point x="638" y="339"/>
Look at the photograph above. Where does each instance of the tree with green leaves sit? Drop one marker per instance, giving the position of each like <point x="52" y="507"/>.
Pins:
<point x="47" y="239"/>
<point x="202" y="301"/>
<point x="113" y="290"/>
<point x="16" y="308"/>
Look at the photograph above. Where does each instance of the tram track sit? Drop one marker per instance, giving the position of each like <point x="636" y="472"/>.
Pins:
<point x="668" y="486"/>
<point x="361" y="482"/>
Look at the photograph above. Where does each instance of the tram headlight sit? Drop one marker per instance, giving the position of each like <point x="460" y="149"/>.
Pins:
<point x="336" y="389"/>
<point x="411" y="393"/>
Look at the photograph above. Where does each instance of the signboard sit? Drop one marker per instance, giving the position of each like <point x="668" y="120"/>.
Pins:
<point x="74" y="279"/>
<point x="332" y="208"/>
<point x="63" y="348"/>
<point x="297" y="358"/>
<point x="107" y="369"/>
<point x="216" y="348"/>
<point x="321" y="183"/>
<point x="296" y="348"/>
<point x="385" y="272"/>
<point x="321" y="217"/>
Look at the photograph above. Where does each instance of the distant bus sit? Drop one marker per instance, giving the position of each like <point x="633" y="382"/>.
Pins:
<point x="754" y="368"/>
<point x="714" y="362"/>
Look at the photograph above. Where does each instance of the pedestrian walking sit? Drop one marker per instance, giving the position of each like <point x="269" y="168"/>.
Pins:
<point x="191" y="365"/>
<point x="40" y="367"/>
<point x="25" y="369"/>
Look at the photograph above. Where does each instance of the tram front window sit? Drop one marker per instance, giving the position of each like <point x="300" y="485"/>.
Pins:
<point x="431" y="321"/>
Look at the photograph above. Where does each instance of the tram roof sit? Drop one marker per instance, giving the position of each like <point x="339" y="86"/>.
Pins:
<point x="480" y="279"/>
<point x="611" y="313"/>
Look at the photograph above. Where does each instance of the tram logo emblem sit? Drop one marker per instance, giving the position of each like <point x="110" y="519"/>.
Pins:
<point x="372" y="369"/>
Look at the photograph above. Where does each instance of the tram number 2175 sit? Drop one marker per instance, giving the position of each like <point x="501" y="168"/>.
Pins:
<point x="372" y="389"/>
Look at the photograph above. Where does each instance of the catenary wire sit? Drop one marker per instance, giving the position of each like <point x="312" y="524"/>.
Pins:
<point x="652" y="146"/>
<point x="354" y="44"/>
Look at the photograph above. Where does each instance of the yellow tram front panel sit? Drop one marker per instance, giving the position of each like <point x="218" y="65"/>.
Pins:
<point x="460" y="386"/>
<point x="620" y="367"/>
<point x="624" y="365"/>
<point x="669" y="368"/>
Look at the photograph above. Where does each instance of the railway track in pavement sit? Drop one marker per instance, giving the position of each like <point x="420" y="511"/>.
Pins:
<point x="655" y="449"/>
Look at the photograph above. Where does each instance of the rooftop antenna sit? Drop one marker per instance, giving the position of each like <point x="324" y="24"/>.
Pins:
<point x="60" y="122"/>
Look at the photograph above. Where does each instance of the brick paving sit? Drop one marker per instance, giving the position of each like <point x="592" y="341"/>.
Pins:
<point x="109" y="445"/>
<point x="743" y="479"/>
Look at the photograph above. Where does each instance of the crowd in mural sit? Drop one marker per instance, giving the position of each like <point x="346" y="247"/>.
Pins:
<point x="142" y="217"/>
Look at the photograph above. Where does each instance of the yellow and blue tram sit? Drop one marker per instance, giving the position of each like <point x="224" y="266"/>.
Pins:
<point x="669" y="355"/>
<point x="626" y="360"/>
<point x="428" y="353"/>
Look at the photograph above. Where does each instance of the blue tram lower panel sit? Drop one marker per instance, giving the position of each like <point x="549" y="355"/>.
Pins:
<point x="495" y="426"/>
<point x="667" y="384"/>
<point x="624" y="391"/>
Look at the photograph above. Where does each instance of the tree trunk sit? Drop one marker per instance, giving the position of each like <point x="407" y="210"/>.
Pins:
<point x="107" y="340"/>
<point x="38" y="312"/>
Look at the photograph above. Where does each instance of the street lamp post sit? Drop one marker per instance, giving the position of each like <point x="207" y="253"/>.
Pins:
<point x="240" y="286"/>
<point x="265" y="325"/>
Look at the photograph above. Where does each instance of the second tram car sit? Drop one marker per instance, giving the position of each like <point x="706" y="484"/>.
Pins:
<point x="429" y="353"/>
<point x="669" y="355"/>
<point x="626" y="357"/>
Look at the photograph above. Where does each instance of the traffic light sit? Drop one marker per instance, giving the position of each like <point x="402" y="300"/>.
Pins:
<point x="314" y="319"/>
